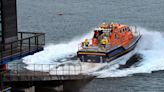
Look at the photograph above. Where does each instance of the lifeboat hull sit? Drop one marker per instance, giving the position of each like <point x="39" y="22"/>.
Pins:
<point x="106" y="56"/>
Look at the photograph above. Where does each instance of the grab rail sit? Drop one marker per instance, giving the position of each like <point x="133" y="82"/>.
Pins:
<point x="43" y="69"/>
<point x="27" y="42"/>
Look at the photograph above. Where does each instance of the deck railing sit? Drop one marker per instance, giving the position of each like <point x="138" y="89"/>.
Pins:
<point x="43" y="69"/>
<point x="27" y="42"/>
<point x="40" y="72"/>
<point x="35" y="72"/>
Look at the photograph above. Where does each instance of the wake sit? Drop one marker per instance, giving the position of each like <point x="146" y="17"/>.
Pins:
<point x="150" y="47"/>
<point x="56" y="53"/>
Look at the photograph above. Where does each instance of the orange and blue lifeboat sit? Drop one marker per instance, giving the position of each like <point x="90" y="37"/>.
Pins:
<point x="109" y="42"/>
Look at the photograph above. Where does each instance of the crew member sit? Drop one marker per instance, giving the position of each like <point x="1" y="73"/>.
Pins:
<point x="95" y="41"/>
<point x="86" y="43"/>
<point x="104" y="42"/>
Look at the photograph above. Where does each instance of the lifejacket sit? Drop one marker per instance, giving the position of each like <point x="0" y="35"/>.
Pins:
<point x="86" y="42"/>
<point x="104" y="41"/>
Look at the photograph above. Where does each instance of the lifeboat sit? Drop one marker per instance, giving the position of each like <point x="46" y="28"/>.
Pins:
<point x="109" y="41"/>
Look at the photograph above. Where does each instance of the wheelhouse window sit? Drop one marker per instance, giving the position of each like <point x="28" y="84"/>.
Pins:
<point x="126" y="28"/>
<point x="121" y="31"/>
<point x="116" y="36"/>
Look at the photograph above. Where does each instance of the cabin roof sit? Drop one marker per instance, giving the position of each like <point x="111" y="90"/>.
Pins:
<point x="118" y="26"/>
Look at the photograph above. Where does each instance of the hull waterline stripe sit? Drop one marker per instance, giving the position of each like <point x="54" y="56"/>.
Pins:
<point x="92" y="53"/>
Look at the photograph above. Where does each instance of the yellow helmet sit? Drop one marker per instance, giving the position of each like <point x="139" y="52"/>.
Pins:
<point x="86" y="39"/>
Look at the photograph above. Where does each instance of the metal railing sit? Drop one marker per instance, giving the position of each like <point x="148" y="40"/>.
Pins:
<point x="41" y="72"/>
<point x="43" y="69"/>
<point x="27" y="42"/>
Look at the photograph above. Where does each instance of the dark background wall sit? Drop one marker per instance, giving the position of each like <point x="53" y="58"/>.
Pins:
<point x="9" y="20"/>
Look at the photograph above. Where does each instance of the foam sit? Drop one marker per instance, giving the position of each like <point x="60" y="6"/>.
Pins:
<point x="54" y="52"/>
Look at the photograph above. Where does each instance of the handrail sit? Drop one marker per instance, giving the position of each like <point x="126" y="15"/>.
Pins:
<point x="32" y="41"/>
<point x="42" y="69"/>
<point x="32" y="32"/>
<point x="37" y="34"/>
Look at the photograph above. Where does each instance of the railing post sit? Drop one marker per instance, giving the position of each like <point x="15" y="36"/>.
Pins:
<point x="1" y="51"/>
<point x="74" y="69"/>
<point x="21" y="47"/>
<point x="29" y="44"/>
<point x="69" y="71"/>
<point x="63" y="70"/>
<point x="17" y="68"/>
<point x="21" y="35"/>
<point x="11" y="49"/>
<point x="49" y="68"/>
<point x="37" y="43"/>
<point x="21" y="39"/>
<point x="42" y="68"/>
<point x="56" y="70"/>
<point x="34" y="69"/>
